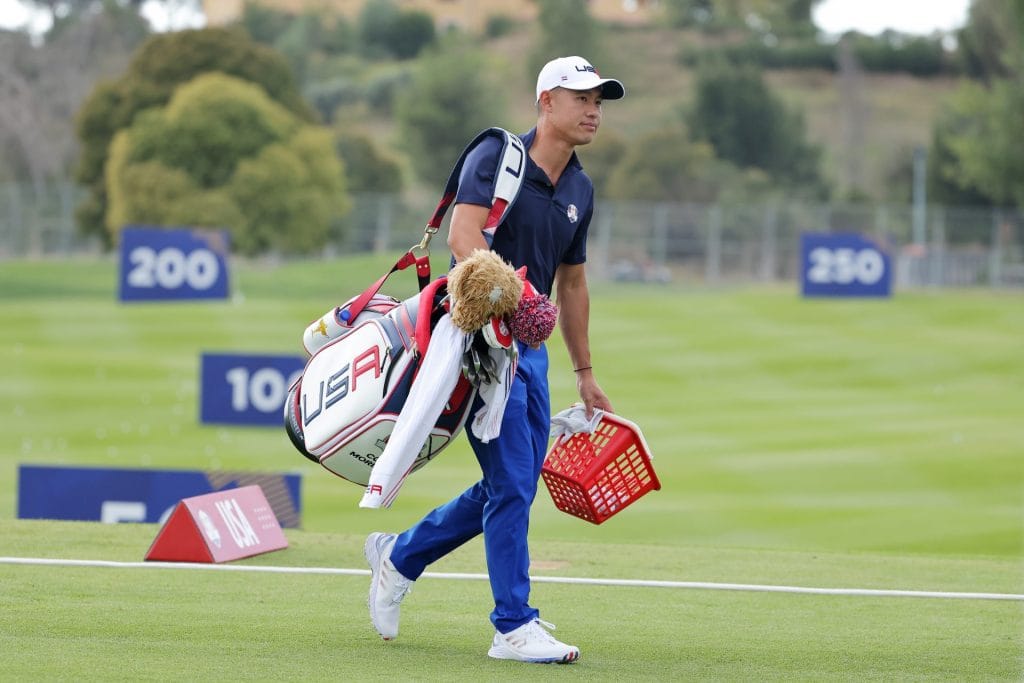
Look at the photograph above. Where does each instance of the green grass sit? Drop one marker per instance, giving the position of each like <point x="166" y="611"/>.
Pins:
<point x="868" y="444"/>
<point x="129" y="624"/>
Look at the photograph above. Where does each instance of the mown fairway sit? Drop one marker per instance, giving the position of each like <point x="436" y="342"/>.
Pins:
<point x="870" y="444"/>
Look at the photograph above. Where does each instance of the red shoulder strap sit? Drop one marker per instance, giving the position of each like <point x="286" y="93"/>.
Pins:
<point x="427" y="294"/>
<point x="407" y="259"/>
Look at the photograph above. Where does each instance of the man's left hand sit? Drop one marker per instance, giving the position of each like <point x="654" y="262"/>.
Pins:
<point x="591" y="393"/>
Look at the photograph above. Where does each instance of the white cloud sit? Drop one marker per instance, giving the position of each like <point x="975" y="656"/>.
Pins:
<point x="162" y="16"/>
<point x="15" y="15"/>
<point x="874" y="16"/>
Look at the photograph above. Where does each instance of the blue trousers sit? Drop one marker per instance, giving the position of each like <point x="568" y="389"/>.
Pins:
<point x="499" y="504"/>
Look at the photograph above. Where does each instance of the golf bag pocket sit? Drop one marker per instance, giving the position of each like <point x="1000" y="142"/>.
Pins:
<point x="337" y="322"/>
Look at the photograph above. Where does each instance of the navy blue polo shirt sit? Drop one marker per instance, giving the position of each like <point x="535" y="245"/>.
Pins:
<point x="547" y="225"/>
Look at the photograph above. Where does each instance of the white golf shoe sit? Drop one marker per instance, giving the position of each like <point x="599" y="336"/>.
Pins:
<point x="531" y="642"/>
<point x="387" y="586"/>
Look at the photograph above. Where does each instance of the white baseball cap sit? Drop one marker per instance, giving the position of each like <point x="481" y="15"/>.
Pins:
<point x="576" y="73"/>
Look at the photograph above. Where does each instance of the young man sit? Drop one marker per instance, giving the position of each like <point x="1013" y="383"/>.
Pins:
<point x="546" y="230"/>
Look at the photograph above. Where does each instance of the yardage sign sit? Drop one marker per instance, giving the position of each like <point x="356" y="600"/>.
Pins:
<point x="844" y="264"/>
<point x="246" y="390"/>
<point x="160" y="264"/>
<point x="111" y="495"/>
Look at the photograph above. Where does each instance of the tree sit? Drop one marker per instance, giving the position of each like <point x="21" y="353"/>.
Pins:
<point x="685" y="13"/>
<point x="777" y="16"/>
<point x="163" y="63"/>
<point x="367" y="167"/>
<point x="298" y="42"/>
<point x="411" y="32"/>
<point x="977" y="139"/>
<point x="29" y="153"/>
<point x="566" y="29"/>
<point x="986" y="144"/>
<point x="985" y="42"/>
<point x="42" y="85"/>
<point x="853" y="117"/>
<point x="748" y="125"/>
<point x="448" y="102"/>
<point x="385" y="29"/>
<point x="942" y="164"/>
<point x="600" y="158"/>
<point x="222" y="153"/>
<point x="264" y="24"/>
<point x="666" y="165"/>
<point x="310" y="38"/>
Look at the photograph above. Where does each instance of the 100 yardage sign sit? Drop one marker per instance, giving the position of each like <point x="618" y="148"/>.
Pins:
<point x="246" y="389"/>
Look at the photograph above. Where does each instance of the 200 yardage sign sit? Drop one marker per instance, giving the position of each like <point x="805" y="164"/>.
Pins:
<point x="159" y="264"/>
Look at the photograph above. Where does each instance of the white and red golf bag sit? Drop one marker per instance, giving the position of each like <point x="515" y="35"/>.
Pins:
<point x="366" y="353"/>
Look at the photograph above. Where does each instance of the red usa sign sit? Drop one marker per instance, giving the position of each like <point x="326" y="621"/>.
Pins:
<point x="219" y="527"/>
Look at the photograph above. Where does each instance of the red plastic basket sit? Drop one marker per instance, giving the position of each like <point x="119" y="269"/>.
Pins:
<point x="594" y="476"/>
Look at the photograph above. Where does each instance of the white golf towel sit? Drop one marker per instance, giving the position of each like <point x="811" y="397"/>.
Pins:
<point x="573" y="420"/>
<point x="434" y="383"/>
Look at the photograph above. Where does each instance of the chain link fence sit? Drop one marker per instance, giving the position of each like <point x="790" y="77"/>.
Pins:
<point x="934" y="246"/>
<point x="40" y="221"/>
<point x="930" y="246"/>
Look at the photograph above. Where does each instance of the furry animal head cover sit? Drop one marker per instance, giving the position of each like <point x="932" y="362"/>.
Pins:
<point x="482" y="286"/>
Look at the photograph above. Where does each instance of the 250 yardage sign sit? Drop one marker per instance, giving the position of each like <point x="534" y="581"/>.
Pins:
<point x="844" y="265"/>
<point x="160" y="264"/>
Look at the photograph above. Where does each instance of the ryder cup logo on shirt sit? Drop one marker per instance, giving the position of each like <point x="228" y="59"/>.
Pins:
<point x="573" y="213"/>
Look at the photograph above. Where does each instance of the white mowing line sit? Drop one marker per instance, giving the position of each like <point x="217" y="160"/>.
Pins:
<point x="640" y="583"/>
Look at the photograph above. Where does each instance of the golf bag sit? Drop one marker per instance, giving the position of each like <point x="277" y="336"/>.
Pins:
<point x="343" y="408"/>
<point x="365" y="354"/>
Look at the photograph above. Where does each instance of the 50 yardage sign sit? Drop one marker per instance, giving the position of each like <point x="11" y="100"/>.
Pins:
<point x="844" y="265"/>
<point x="159" y="264"/>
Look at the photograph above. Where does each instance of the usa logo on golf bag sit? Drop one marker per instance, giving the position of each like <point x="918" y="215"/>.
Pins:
<point x="342" y="410"/>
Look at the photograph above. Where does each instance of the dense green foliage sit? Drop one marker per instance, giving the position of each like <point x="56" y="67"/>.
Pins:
<point x="776" y="17"/>
<point x="223" y="154"/>
<point x="368" y="167"/>
<point x="664" y="165"/>
<point x="750" y="126"/>
<point x="988" y="147"/>
<point x="163" y="63"/>
<point x="978" y="141"/>
<point x="566" y="28"/>
<point x="887" y="53"/>
<point x="449" y="101"/>
<point x="990" y="44"/>
<point x="385" y="29"/>
<point x="601" y="157"/>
